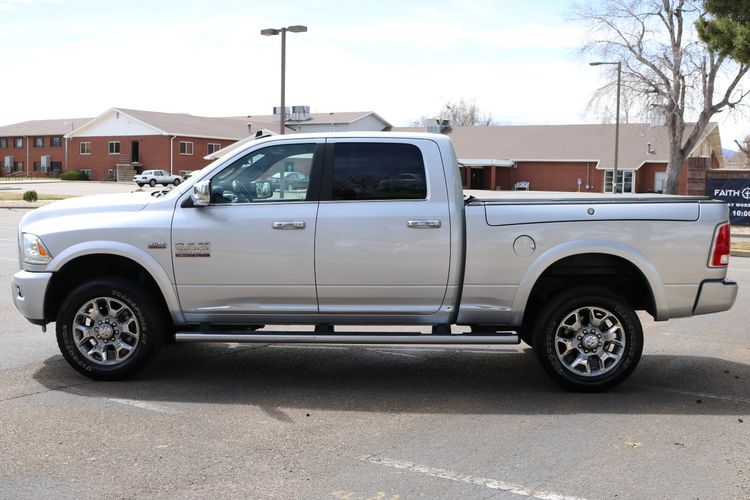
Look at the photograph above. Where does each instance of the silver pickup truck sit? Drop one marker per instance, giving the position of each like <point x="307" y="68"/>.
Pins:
<point x="381" y="234"/>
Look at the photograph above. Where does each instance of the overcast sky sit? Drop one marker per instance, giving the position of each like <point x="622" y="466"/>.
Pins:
<point x="401" y="59"/>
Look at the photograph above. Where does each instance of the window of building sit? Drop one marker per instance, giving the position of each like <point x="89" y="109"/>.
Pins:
<point x="213" y="147"/>
<point x="186" y="148"/>
<point x="18" y="166"/>
<point x="372" y="171"/>
<point x="38" y="142"/>
<point x="85" y="148"/>
<point x="114" y="147"/>
<point x="55" y="142"/>
<point x="86" y="172"/>
<point x="3" y="143"/>
<point x="56" y="166"/>
<point x="19" y="142"/>
<point x="625" y="182"/>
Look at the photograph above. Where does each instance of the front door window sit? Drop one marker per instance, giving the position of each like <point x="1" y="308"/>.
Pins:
<point x="275" y="173"/>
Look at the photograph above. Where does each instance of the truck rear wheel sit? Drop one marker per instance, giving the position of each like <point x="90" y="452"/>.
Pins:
<point x="107" y="329"/>
<point x="588" y="339"/>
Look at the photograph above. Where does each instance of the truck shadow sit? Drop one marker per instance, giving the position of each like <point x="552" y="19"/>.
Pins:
<point x="468" y="381"/>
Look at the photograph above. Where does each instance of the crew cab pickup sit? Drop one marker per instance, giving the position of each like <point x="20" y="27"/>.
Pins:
<point x="381" y="234"/>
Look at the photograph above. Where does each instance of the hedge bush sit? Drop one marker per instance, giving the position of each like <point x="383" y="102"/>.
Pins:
<point x="30" y="196"/>
<point x="74" y="175"/>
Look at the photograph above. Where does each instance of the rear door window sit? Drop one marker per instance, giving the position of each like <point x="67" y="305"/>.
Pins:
<point x="378" y="171"/>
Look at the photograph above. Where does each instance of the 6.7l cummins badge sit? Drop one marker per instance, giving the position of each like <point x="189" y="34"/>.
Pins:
<point x="201" y="249"/>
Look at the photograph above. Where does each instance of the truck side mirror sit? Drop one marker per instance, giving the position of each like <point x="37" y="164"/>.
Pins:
<point x="201" y="194"/>
<point x="263" y="190"/>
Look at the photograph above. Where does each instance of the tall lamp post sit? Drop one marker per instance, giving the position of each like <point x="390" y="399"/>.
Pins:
<point x="275" y="31"/>
<point x="617" y="118"/>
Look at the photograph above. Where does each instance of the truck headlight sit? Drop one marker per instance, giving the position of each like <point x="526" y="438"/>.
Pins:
<point x="34" y="251"/>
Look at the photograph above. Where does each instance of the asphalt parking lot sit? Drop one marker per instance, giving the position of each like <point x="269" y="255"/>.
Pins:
<point x="229" y="421"/>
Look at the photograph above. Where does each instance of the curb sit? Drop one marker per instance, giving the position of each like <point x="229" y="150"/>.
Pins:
<point x="739" y="253"/>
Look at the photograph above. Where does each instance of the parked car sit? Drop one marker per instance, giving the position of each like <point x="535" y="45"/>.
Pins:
<point x="292" y="181"/>
<point x="211" y="260"/>
<point x="154" y="177"/>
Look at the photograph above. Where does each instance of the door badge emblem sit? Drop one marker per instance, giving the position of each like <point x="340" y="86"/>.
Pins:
<point x="200" y="249"/>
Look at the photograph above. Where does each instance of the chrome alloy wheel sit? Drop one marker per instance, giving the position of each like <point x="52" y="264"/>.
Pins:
<point x="106" y="331"/>
<point x="590" y="341"/>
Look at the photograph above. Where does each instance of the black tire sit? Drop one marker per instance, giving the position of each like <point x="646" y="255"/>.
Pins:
<point x="140" y="184"/>
<point x="176" y="182"/>
<point x="128" y="308"/>
<point x="152" y="182"/>
<point x="597" y="354"/>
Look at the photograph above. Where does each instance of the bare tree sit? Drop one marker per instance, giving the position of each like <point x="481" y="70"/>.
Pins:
<point x="744" y="153"/>
<point x="666" y="69"/>
<point x="461" y="114"/>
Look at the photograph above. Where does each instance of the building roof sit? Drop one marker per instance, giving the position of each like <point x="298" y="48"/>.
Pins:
<point x="181" y="124"/>
<point x="230" y="128"/>
<point x="42" y="127"/>
<point x="334" y="117"/>
<point x="639" y="143"/>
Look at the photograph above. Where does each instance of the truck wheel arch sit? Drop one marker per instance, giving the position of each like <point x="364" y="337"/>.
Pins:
<point x="77" y="265"/>
<point x="572" y="254"/>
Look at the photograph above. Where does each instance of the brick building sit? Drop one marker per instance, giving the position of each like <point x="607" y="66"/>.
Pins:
<point x="119" y="142"/>
<point x="36" y="147"/>
<point x="558" y="157"/>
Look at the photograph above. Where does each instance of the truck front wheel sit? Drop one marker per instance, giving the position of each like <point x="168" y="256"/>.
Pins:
<point x="107" y="328"/>
<point x="588" y="339"/>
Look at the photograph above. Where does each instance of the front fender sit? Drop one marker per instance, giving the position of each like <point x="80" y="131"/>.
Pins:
<point x="151" y="265"/>
<point x="571" y="248"/>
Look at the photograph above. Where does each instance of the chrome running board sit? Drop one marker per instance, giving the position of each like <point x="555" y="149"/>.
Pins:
<point x="502" y="338"/>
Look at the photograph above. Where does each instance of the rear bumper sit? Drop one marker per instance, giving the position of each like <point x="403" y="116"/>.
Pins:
<point x="714" y="296"/>
<point x="28" y="290"/>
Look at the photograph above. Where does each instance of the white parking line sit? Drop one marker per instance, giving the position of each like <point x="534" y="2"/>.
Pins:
<point x="493" y="484"/>
<point x="396" y="353"/>
<point x="308" y="346"/>
<point x="143" y="405"/>
<point x="698" y="394"/>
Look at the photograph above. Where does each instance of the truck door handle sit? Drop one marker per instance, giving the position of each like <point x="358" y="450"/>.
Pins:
<point x="423" y="224"/>
<point x="286" y="225"/>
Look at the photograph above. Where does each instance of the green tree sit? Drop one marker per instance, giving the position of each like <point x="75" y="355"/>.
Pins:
<point x="727" y="28"/>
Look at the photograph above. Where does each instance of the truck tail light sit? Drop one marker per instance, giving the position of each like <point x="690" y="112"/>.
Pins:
<point x="720" y="250"/>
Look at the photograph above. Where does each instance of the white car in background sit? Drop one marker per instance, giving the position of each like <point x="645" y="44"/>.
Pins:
<point x="154" y="177"/>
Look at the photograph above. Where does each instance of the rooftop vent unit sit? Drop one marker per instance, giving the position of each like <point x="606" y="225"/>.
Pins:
<point x="277" y="113"/>
<point x="440" y="126"/>
<point x="300" y="113"/>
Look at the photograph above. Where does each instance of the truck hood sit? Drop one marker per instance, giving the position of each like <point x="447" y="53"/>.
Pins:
<point x="90" y="205"/>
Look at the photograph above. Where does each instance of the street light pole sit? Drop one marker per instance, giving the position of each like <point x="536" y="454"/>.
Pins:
<point x="282" y="31"/>
<point x="617" y="118"/>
